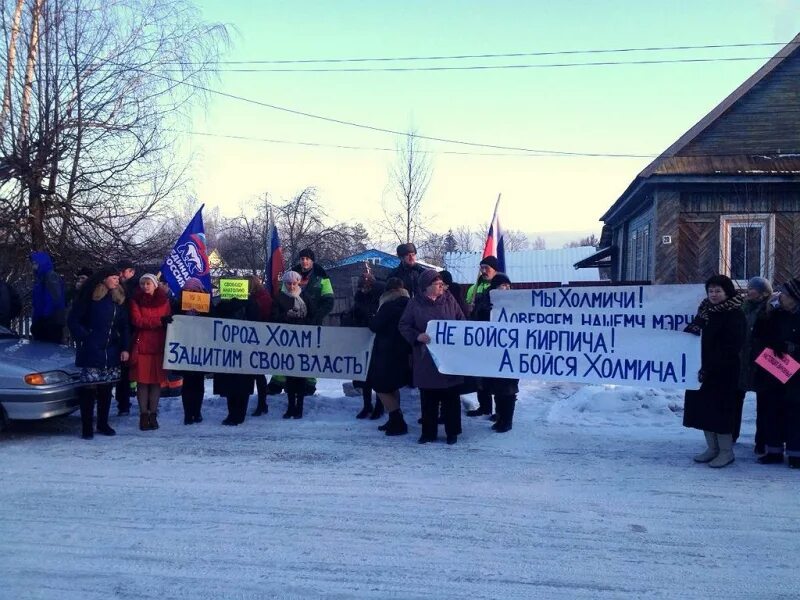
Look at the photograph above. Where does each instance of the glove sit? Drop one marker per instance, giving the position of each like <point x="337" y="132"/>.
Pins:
<point x="291" y="313"/>
<point x="700" y="376"/>
<point x="166" y="320"/>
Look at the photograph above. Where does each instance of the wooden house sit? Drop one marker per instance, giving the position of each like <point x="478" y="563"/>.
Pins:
<point x="724" y="198"/>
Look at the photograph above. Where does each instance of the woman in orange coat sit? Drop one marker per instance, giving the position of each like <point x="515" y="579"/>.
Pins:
<point x="150" y="313"/>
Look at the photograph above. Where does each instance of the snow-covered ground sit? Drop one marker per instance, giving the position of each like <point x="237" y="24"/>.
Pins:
<point x="592" y="495"/>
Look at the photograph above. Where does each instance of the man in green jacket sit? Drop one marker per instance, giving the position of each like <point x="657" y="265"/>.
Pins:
<point x="489" y="267"/>
<point x="316" y="284"/>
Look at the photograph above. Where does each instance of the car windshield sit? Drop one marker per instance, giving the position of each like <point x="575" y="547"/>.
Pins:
<point x="7" y="333"/>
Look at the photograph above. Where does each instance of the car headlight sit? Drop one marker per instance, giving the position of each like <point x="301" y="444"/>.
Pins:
<point x="47" y="378"/>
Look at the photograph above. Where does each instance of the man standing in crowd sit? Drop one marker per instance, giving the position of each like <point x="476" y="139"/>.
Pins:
<point x="488" y="269"/>
<point x="49" y="314"/>
<point x="10" y="304"/>
<point x="408" y="271"/>
<point x="128" y="282"/>
<point x="80" y="278"/>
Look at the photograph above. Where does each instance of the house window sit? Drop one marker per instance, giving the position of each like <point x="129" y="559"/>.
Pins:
<point x="747" y="246"/>
<point x="638" y="268"/>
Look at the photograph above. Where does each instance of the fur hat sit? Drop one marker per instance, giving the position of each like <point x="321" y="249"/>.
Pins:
<point x="491" y="261"/>
<point x="759" y="284"/>
<point x="498" y="280"/>
<point x="792" y="288"/>
<point x="724" y="282"/>
<point x="306" y="253"/>
<point x="404" y="249"/>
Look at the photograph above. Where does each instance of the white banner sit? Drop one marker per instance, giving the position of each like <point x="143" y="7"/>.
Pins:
<point x="231" y="346"/>
<point x="630" y="307"/>
<point x="635" y="357"/>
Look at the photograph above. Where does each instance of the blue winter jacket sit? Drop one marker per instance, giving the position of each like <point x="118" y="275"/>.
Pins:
<point x="99" y="324"/>
<point x="48" y="290"/>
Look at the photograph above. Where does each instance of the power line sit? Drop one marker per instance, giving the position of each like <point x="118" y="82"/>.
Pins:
<point x="499" y="55"/>
<point x="480" y="67"/>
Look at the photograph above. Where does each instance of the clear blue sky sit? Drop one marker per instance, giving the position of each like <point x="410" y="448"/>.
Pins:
<point x="609" y="109"/>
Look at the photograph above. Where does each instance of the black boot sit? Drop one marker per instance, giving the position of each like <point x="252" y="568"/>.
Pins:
<point x="396" y="425"/>
<point x="103" y="408"/>
<point x="366" y="394"/>
<point x="772" y="458"/>
<point x="86" y="398"/>
<point x="505" y="413"/>
<point x="298" y="412"/>
<point x="261" y="407"/>
<point x="484" y="405"/>
<point x="188" y="416"/>
<point x="290" y="407"/>
<point x="378" y="412"/>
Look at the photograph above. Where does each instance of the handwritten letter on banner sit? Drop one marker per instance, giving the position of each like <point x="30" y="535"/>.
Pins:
<point x="627" y="335"/>
<point x="230" y="346"/>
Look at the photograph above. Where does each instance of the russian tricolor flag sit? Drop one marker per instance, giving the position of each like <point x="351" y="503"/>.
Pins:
<point x="274" y="263"/>
<point x="495" y="244"/>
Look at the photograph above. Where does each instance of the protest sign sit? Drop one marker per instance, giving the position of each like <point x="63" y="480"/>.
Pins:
<point x="782" y="368"/>
<point x="197" y="301"/>
<point x="231" y="346"/>
<point x="650" y="358"/>
<point x="234" y="289"/>
<point x="631" y="307"/>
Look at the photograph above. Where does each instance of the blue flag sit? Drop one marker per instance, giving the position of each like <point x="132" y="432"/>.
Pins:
<point x="188" y="257"/>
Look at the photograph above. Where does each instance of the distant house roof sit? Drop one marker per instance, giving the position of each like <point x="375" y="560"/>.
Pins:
<point x="378" y="257"/>
<point x="528" y="266"/>
<point x="755" y="152"/>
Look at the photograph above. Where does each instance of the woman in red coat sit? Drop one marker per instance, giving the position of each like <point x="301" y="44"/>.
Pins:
<point x="150" y="313"/>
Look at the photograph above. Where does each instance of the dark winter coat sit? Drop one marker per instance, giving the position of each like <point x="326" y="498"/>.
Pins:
<point x="780" y="331"/>
<point x="414" y="321"/>
<point x="457" y="292"/>
<point x="714" y="406"/>
<point x="390" y="366"/>
<point x="146" y="318"/>
<point x="100" y="327"/>
<point x="365" y="305"/>
<point x="264" y="301"/>
<point x="318" y="292"/>
<point x="493" y="385"/>
<point x="408" y="275"/>
<point x="10" y="305"/>
<point x="48" y="299"/>
<point x="284" y="303"/>
<point x="753" y="313"/>
<point x="235" y="385"/>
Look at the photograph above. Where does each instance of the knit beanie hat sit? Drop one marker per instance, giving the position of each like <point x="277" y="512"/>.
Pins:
<point x="149" y="276"/>
<point x="759" y="284"/>
<point x="447" y="277"/>
<point x="307" y="253"/>
<point x="792" y="288"/>
<point x="427" y="277"/>
<point x="193" y="284"/>
<point x="491" y="261"/>
<point x="291" y="277"/>
<point x="498" y="280"/>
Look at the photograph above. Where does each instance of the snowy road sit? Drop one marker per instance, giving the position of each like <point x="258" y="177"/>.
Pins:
<point x="593" y="495"/>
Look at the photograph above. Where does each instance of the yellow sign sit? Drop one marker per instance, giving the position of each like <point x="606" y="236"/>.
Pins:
<point x="234" y="289"/>
<point x="199" y="301"/>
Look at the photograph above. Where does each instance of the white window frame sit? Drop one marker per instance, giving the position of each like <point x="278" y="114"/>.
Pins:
<point x="766" y="222"/>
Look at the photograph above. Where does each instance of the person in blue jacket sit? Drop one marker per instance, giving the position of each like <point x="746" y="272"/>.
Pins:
<point x="49" y="306"/>
<point x="99" y="325"/>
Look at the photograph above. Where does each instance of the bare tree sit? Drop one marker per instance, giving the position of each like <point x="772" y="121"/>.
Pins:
<point x="519" y="239"/>
<point x="589" y="240"/>
<point x="409" y="180"/>
<point x="466" y="239"/>
<point x="92" y="94"/>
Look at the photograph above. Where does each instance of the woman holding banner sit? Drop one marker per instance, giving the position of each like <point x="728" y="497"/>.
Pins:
<point x="432" y="303"/>
<point x="503" y="390"/>
<point x="721" y="324"/>
<point x="293" y="308"/>
<point x="150" y="313"/>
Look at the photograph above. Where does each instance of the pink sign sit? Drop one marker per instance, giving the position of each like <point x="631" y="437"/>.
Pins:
<point x="780" y="368"/>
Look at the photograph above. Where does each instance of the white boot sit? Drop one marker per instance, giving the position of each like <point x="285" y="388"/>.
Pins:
<point x="712" y="451"/>
<point x="725" y="456"/>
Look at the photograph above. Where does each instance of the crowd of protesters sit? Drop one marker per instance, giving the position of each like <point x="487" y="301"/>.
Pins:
<point x="118" y="323"/>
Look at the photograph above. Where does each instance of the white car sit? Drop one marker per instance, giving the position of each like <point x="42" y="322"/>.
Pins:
<point x="38" y="380"/>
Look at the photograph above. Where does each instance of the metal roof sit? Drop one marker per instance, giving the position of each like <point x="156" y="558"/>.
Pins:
<point x="527" y="266"/>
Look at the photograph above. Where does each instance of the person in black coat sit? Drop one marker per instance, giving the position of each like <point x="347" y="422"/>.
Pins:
<point x="721" y="324"/>
<point x="98" y="322"/>
<point x="235" y="387"/>
<point x="129" y="284"/>
<point x="408" y="271"/>
<point x="10" y="304"/>
<point x="293" y="308"/>
<point x="365" y="305"/>
<point x="503" y="390"/>
<point x="390" y="366"/>
<point x="194" y="382"/>
<point x="779" y="403"/>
